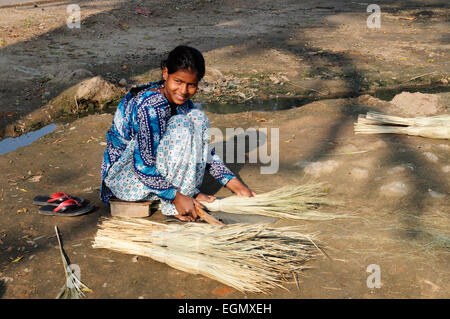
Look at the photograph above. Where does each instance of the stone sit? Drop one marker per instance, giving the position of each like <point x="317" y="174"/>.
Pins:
<point x="435" y="194"/>
<point x="418" y="104"/>
<point x="319" y="168"/>
<point x="359" y="173"/>
<point x="123" y="82"/>
<point x="213" y="76"/>
<point x="396" y="170"/>
<point x="394" y="189"/>
<point x="431" y="157"/>
<point x="96" y="91"/>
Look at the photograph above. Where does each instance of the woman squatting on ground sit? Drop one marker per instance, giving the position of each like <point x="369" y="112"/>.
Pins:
<point x="158" y="144"/>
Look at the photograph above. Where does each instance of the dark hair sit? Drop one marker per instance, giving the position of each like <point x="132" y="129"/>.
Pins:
<point x="185" y="58"/>
<point x="180" y="58"/>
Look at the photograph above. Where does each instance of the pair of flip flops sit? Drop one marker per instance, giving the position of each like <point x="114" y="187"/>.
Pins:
<point x="61" y="204"/>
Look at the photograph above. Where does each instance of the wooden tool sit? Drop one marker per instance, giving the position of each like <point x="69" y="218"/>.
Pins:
<point x="207" y="217"/>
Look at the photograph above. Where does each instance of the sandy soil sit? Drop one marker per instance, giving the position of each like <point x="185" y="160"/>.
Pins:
<point x="321" y="50"/>
<point x="316" y="49"/>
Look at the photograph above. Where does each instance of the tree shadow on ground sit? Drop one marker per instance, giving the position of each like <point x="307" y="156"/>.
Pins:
<point x="422" y="177"/>
<point x="241" y="146"/>
<point x="146" y="59"/>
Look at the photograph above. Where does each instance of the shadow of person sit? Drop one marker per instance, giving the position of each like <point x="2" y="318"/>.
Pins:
<point x="234" y="152"/>
<point x="2" y="287"/>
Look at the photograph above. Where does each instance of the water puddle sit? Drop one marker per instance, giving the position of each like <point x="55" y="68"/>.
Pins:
<point x="256" y="105"/>
<point x="387" y="94"/>
<point x="12" y="143"/>
<point x="285" y="103"/>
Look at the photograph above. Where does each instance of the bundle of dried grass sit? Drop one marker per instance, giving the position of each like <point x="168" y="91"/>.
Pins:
<point x="73" y="288"/>
<point x="431" y="127"/>
<point x="247" y="257"/>
<point x="438" y="120"/>
<point x="288" y="202"/>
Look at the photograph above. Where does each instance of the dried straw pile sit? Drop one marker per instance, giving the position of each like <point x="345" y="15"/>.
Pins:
<point x="431" y="127"/>
<point x="247" y="257"/>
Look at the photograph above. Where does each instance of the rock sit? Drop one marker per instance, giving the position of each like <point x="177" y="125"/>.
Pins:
<point x="396" y="170"/>
<point x="374" y="102"/>
<point x="97" y="91"/>
<point x="232" y="85"/>
<point x="241" y="95"/>
<point x="446" y="168"/>
<point x="431" y="157"/>
<point x="6" y="279"/>
<point x="319" y="168"/>
<point x="205" y="88"/>
<point x="418" y="104"/>
<point x="274" y="79"/>
<point x="394" y="189"/>
<point x="408" y="166"/>
<point x="213" y="76"/>
<point x="434" y="194"/>
<point x="359" y="173"/>
<point x="123" y="82"/>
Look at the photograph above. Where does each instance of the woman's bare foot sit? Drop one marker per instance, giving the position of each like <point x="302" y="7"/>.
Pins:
<point x="205" y="198"/>
<point x="186" y="218"/>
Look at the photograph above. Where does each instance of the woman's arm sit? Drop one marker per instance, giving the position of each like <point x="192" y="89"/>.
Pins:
<point x="227" y="178"/>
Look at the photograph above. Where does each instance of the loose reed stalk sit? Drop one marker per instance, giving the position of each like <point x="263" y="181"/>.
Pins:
<point x="251" y="258"/>
<point x="362" y="119"/>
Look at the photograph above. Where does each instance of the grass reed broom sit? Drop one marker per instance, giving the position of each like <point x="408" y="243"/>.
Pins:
<point x="249" y="258"/>
<point x="438" y="132"/>
<point x="73" y="288"/>
<point x="288" y="202"/>
<point x="379" y="118"/>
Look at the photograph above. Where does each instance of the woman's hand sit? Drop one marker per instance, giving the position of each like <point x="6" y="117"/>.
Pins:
<point x="185" y="206"/>
<point x="237" y="187"/>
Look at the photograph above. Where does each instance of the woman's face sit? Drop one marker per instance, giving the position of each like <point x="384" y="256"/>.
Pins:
<point x="180" y="86"/>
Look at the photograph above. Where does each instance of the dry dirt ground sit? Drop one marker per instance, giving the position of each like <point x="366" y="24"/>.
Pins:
<point x="395" y="187"/>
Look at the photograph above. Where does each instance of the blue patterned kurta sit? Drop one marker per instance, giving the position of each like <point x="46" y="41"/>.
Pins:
<point x="144" y="118"/>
